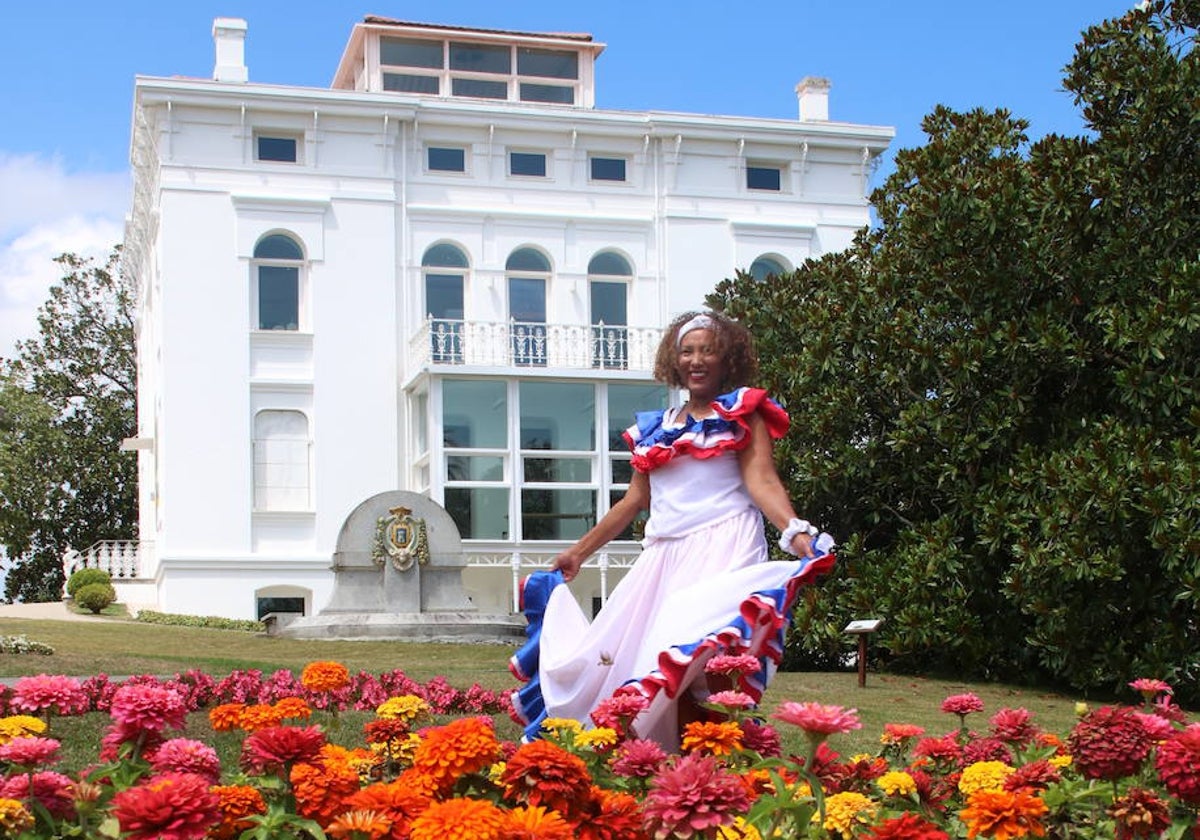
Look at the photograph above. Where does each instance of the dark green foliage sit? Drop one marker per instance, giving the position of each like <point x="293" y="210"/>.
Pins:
<point x="996" y="390"/>
<point x="94" y="597"/>
<point x="82" y="577"/>
<point x="66" y="403"/>
<point x="211" y="622"/>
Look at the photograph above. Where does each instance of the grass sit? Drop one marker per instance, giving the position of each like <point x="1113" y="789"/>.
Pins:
<point x="120" y="648"/>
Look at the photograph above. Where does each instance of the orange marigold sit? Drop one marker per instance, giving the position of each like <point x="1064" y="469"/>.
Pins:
<point x="292" y="708"/>
<point x="226" y="717"/>
<point x="1004" y="814"/>
<point x="321" y="787"/>
<point x="459" y="748"/>
<point x="360" y="824"/>
<point x="712" y="738"/>
<point x="399" y="801"/>
<point x="543" y="773"/>
<point x="460" y="819"/>
<point x="237" y="803"/>
<point x="259" y="716"/>
<point x="612" y="815"/>
<point x="536" y="823"/>
<point x="324" y="676"/>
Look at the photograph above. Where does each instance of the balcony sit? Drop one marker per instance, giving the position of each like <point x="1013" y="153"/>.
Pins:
<point x="442" y="341"/>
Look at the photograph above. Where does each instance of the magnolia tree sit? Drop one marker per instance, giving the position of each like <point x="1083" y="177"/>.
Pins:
<point x="996" y="390"/>
<point x="66" y="403"/>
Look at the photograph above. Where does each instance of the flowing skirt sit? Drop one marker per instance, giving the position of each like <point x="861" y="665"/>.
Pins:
<point x="684" y="601"/>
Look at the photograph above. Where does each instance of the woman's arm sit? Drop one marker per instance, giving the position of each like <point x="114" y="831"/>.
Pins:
<point x="635" y="500"/>
<point x="757" y="462"/>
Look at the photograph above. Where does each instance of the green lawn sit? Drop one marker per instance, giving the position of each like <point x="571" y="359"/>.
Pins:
<point x="120" y="648"/>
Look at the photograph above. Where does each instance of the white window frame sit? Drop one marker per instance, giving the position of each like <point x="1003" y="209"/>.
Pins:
<point x="466" y="150"/>
<point x="302" y="293"/>
<point x="547" y="160"/>
<point x="272" y="134"/>
<point x="608" y="181"/>
<point x="261" y="490"/>
<point x="776" y="166"/>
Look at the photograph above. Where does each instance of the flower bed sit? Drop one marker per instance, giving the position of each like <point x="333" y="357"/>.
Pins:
<point x="1121" y="772"/>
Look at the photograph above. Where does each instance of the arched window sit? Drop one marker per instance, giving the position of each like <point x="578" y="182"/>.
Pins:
<point x="527" y="272"/>
<point x="765" y="267"/>
<point x="279" y="298"/>
<point x="609" y="275"/>
<point x="445" y="268"/>
<point x="281" y="461"/>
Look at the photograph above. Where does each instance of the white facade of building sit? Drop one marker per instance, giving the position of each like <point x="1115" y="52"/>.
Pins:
<point x="447" y="273"/>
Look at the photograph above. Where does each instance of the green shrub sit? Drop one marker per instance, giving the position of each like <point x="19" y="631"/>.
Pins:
<point x="211" y="622"/>
<point x="84" y="577"/>
<point x="95" y="596"/>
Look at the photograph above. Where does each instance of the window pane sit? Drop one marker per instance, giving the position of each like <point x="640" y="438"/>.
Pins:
<point x="527" y="299"/>
<point x="527" y="259"/>
<point x="762" y="178"/>
<point x="474" y="468"/>
<point x="611" y="264"/>
<point x="573" y="470"/>
<point x="408" y="83"/>
<point x="527" y="163"/>
<point x="480" y="58"/>
<point x="547" y="93"/>
<point x="278" y="297"/>
<point x="444" y="296"/>
<point x="447" y="160"/>
<point x="277" y="247"/>
<point x="553" y="64"/>
<point x="762" y="267"/>
<point x="557" y="514"/>
<point x="635" y="528"/>
<point x="449" y="256"/>
<point x="479" y="89"/>
<point x="609" y="301"/>
<point x="409" y="52"/>
<point x="476" y="414"/>
<point x="624" y="401"/>
<point x="622" y="470"/>
<point x="558" y="415"/>
<point x="481" y="513"/>
<point x="266" y="606"/>
<point x="608" y="169"/>
<point x="276" y="149"/>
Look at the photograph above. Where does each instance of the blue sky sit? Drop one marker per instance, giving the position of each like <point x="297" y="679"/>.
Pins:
<point x="69" y="69"/>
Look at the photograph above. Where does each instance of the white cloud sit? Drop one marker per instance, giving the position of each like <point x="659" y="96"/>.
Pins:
<point x="46" y="211"/>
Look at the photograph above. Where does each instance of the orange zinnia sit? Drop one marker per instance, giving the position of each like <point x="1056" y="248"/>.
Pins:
<point x="543" y="773"/>
<point x="292" y="708"/>
<point x="259" y="716"/>
<point x="238" y="802"/>
<point x="461" y="747"/>
<point x="712" y="738"/>
<point x="460" y="819"/>
<point x="1003" y="814"/>
<point x="360" y="824"/>
<point x="324" y="676"/>
<point x="399" y="801"/>
<point x="226" y="717"/>
<point x="321" y="787"/>
<point x="536" y="823"/>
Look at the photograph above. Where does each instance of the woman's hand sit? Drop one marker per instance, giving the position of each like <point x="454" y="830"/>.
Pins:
<point x="568" y="562"/>
<point x="802" y="545"/>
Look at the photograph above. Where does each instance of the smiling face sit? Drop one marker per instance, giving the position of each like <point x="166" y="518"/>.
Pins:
<point x="699" y="364"/>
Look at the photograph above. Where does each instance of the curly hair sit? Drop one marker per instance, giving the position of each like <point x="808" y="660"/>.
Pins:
<point x="734" y="343"/>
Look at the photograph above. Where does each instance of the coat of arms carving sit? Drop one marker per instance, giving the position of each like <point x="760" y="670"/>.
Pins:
<point x="401" y="537"/>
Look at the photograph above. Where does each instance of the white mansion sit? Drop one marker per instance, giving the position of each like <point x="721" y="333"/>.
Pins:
<point x="447" y="273"/>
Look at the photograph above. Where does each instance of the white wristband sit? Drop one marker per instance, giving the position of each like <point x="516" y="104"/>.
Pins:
<point x="796" y="526"/>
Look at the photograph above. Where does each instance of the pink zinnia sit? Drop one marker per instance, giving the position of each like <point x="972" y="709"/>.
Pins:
<point x="148" y="708"/>
<point x="962" y="704"/>
<point x="1150" y="688"/>
<point x="818" y="719"/>
<point x="183" y="755"/>
<point x="46" y="693"/>
<point x="53" y="791"/>
<point x="731" y="664"/>
<point x="170" y="806"/>
<point x="29" y="752"/>
<point x="693" y="797"/>
<point x="617" y="711"/>
<point x="639" y="759"/>
<point x="1158" y="728"/>
<point x="731" y="699"/>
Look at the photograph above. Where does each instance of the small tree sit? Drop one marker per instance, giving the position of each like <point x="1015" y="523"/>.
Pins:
<point x="66" y="403"/>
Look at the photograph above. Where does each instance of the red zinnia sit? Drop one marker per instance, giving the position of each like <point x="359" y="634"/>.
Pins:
<point x="1178" y="764"/>
<point x="906" y="827"/>
<point x="277" y="748"/>
<point x="1109" y="743"/>
<point x="692" y="797"/>
<point x="543" y="773"/>
<point x="53" y="791"/>
<point x="171" y="806"/>
<point x="1014" y="726"/>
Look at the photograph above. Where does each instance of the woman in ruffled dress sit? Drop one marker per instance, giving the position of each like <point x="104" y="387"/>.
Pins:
<point x="702" y="585"/>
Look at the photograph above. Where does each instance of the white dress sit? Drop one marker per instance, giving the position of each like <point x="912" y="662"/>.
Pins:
<point x="702" y="585"/>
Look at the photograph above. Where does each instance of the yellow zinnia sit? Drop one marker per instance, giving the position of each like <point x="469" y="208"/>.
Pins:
<point x="984" y="775"/>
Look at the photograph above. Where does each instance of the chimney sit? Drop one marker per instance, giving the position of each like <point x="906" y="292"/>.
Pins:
<point x="229" y="37"/>
<point x="813" y="93"/>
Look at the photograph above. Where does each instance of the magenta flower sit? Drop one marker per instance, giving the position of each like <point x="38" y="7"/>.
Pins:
<point x="818" y="719"/>
<point x="962" y="704"/>
<point x="148" y="708"/>
<point x="183" y="755"/>
<point x="30" y="752"/>
<point x="1150" y="688"/>
<point x="732" y="665"/>
<point x="692" y="797"/>
<point x="1014" y="726"/>
<point x="53" y="791"/>
<point x="731" y="699"/>
<point x="1158" y="728"/>
<point x="761" y="738"/>
<point x="617" y="711"/>
<point x="46" y="693"/>
<point x="638" y="759"/>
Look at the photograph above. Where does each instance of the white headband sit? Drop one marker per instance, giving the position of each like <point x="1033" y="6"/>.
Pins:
<point x="700" y="322"/>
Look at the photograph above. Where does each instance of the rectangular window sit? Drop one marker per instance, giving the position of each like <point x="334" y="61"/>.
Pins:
<point x="278" y="297"/>
<point x="607" y="168"/>
<point x="479" y="88"/>
<point x="550" y="64"/>
<point x="276" y="149"/>
<point x="558" y="94"/>
<point x="408" y="83"/>
<point x="410" y="52"/>
<point x="475" y="437"/>
<point x="760" y="177"/>
<point x="532" y="164"/>
<point x="446" y="159"/>
<point x="480" y="58"/>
